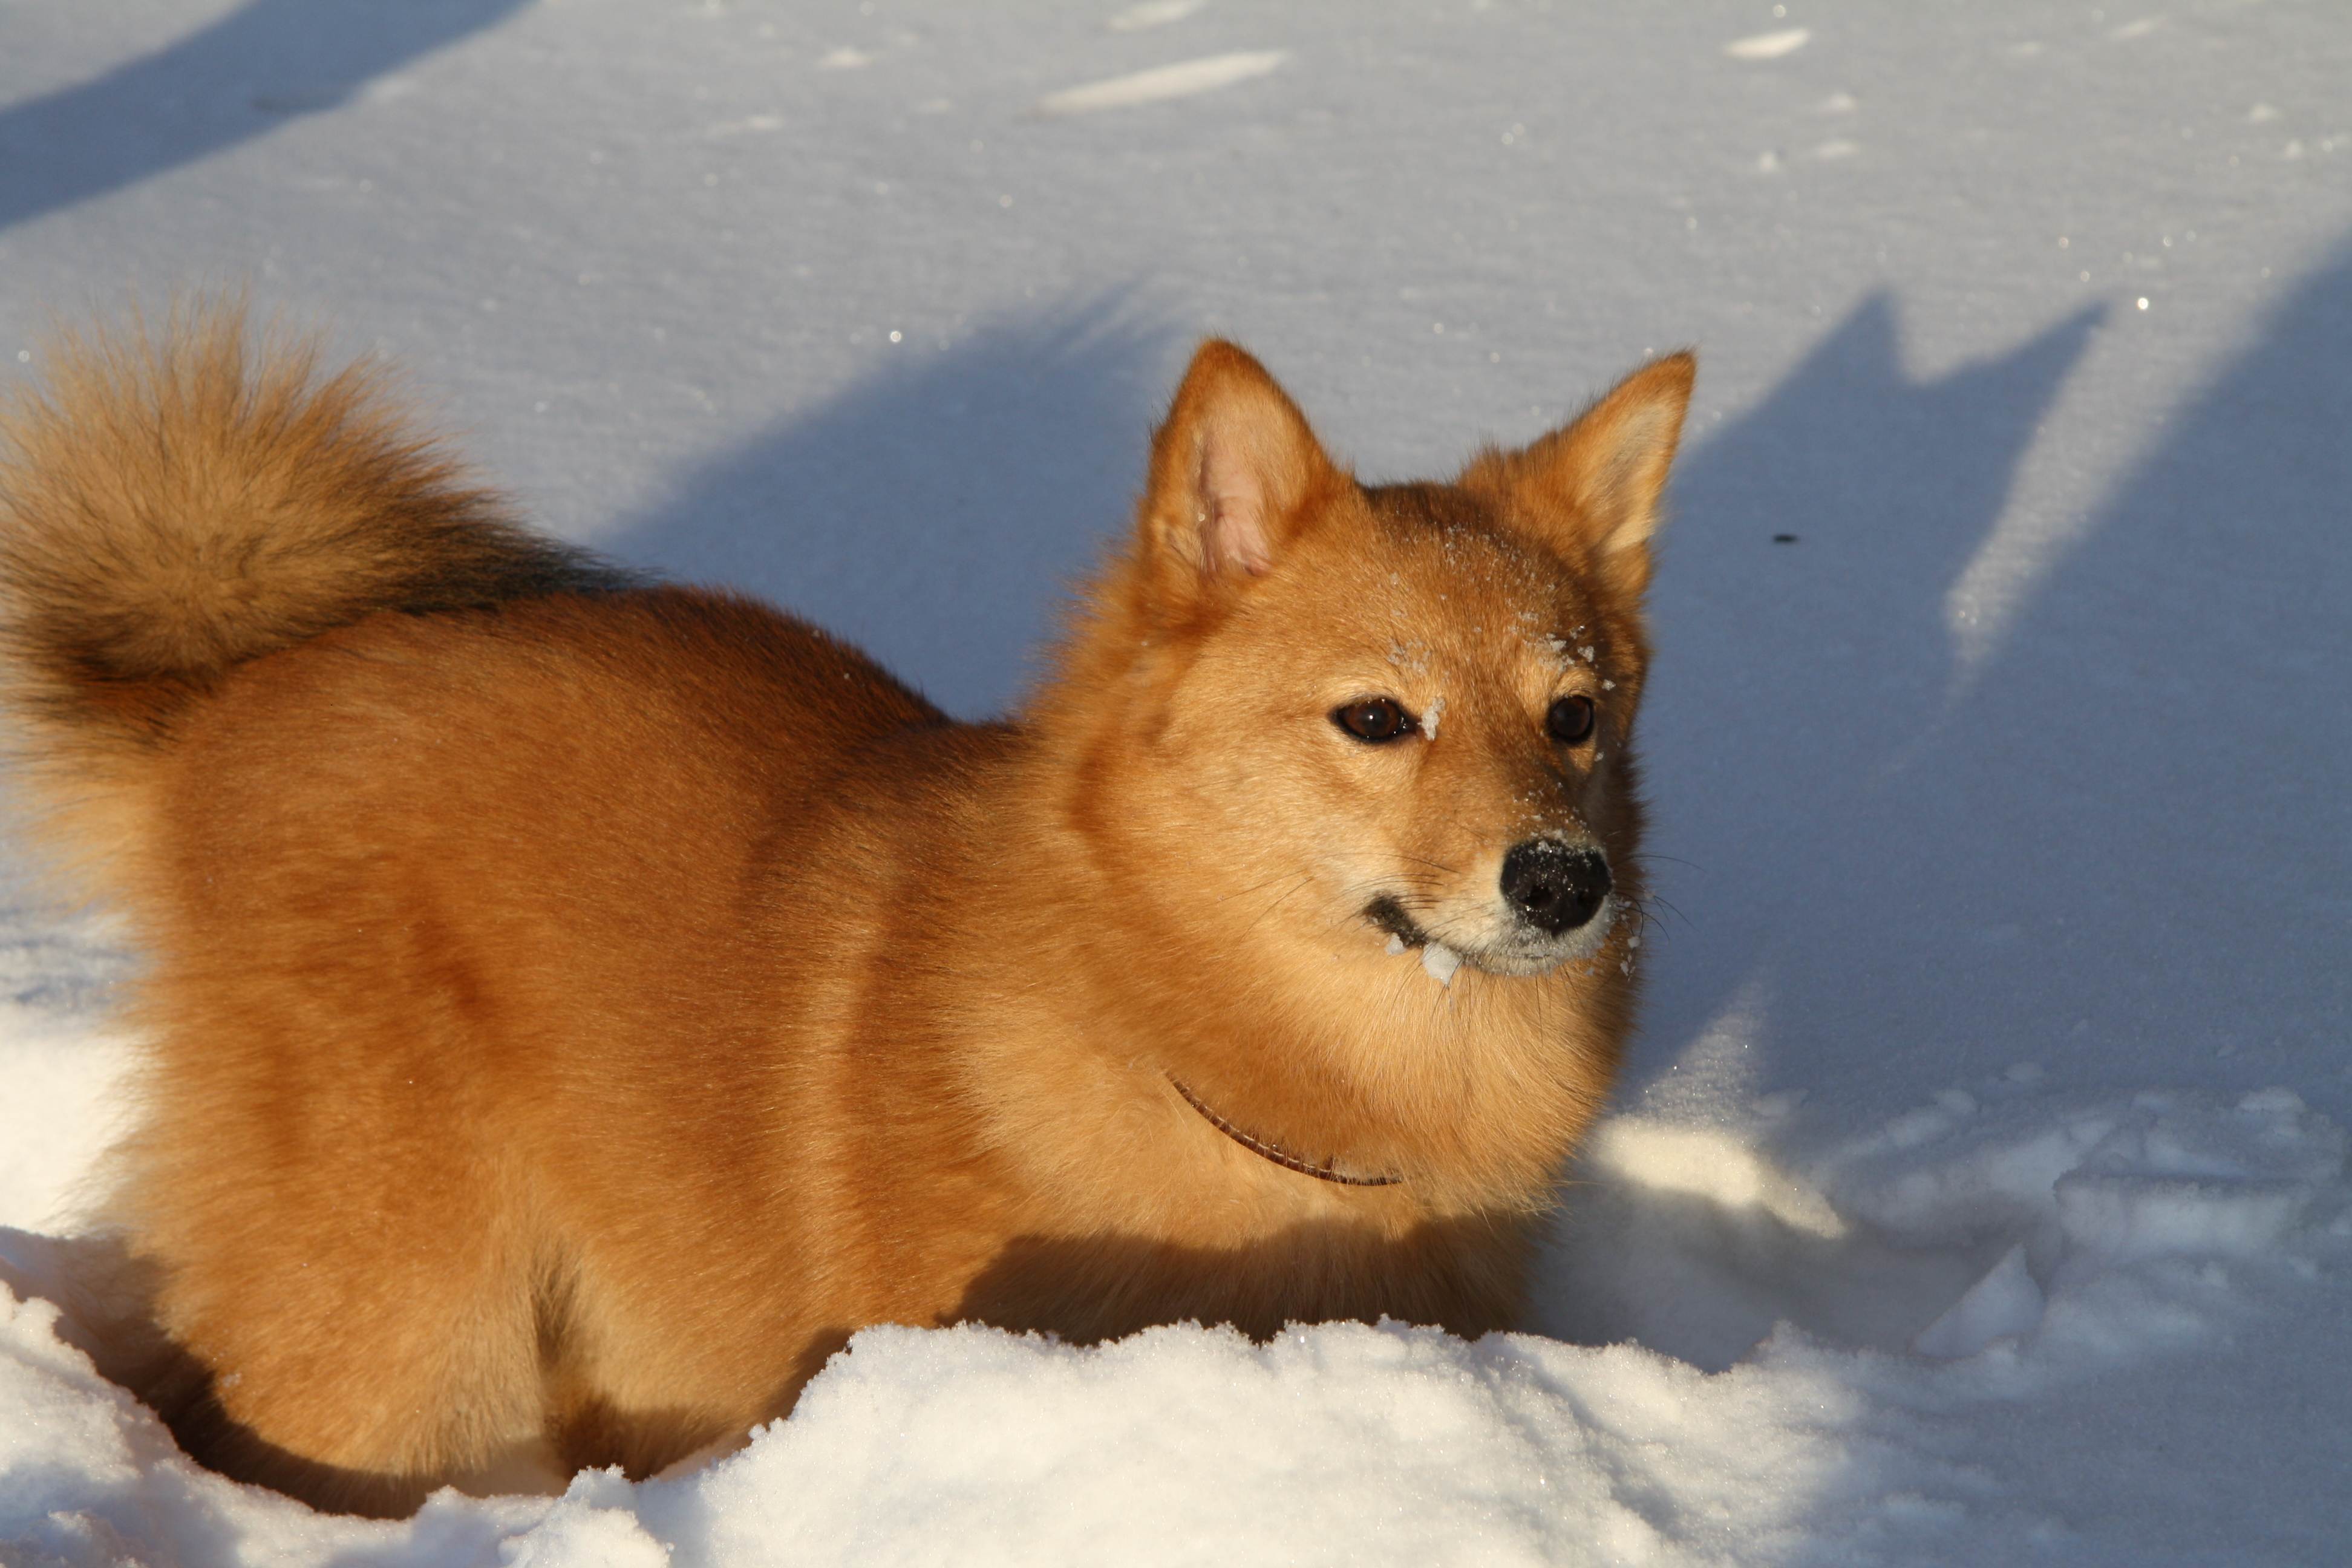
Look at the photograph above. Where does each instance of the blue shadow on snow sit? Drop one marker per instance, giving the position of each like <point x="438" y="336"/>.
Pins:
<point x="2122" y="836"/>
<point x="241" y="77"/>
<point x="937" y="514"/>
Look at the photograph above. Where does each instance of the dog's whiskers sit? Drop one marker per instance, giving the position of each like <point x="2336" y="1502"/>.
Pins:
<point x="1288" y="893"/>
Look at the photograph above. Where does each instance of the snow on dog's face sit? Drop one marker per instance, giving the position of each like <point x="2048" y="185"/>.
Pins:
<point x="1395" y="720"/>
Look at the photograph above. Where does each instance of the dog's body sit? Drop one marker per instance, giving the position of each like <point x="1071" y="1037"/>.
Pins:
<point x="577" y="1006"/>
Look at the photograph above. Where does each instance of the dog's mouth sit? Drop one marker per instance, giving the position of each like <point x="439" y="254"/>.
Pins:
<point x="1384" y="913"/>
<point x="1520" y="949"/>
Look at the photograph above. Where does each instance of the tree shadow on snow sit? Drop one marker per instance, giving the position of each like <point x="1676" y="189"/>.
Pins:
<point x="241" y="77"/>
<point x="937" y="514"/>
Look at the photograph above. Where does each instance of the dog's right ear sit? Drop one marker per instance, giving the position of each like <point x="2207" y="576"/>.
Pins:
<point x="1235" y="471"/>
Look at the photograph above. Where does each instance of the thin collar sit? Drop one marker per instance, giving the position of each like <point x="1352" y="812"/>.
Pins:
<point x="1274" y="1152"/>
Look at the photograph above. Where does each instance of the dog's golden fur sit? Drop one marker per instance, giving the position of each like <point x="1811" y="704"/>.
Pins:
<point x="577" y="1004"/>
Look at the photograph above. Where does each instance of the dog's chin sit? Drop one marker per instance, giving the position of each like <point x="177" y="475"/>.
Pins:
<point x="1523" y="954"/>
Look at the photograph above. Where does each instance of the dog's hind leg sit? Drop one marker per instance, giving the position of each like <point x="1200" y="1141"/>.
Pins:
<point x="353" y="1352"/>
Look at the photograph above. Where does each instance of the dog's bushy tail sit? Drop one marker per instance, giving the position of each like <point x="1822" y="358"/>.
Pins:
<point x="174" y="504"/>
<point x="171" y="506"/>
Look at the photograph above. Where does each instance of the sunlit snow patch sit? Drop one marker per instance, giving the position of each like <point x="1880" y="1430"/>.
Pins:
<point x="1705" y="1164"/>
<point x="1769" y="46"/>
<point x="1182" y="80"/>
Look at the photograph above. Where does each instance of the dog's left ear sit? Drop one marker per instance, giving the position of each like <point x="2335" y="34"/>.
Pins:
<point x="1235" y="471"/>
<point x="1593" y="485"/>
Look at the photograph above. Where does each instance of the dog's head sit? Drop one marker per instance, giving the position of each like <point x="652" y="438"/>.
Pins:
<point x="1386" y="723"/>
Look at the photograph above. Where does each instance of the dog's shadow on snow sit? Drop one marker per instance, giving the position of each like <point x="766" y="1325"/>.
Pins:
<point x="2119" y="832"/>
<point x="265" y="63"/>
<point x="1801" y="632"/>
<point x="938" y="513"/>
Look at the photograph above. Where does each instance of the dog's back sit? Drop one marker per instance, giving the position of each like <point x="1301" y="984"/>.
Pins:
<point x="389" y="790"/>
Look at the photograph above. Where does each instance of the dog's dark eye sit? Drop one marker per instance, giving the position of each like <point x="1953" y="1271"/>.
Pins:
<point x="1570" y="720"/>
<point x="1376" y="718"/>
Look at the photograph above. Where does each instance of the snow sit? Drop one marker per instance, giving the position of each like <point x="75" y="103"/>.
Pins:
<point x="1976" y="1192"/>
<point x="1180" y="80"/>
<point x="1760" y="1405"/>
<point x="1152" y="14"/>
<point x="2006" y="1304"/>
<point x="1769" y="46"/>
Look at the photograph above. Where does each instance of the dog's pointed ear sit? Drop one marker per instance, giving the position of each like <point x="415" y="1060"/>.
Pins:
<point x="1235" y="470"/>
<point x="1594" y="485"/>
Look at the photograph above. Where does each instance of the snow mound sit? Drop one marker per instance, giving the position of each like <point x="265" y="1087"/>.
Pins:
<point x="1964" y="1257"/>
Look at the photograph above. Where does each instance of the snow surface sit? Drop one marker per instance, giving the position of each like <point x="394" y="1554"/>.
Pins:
<point x="1978" y="1190"/>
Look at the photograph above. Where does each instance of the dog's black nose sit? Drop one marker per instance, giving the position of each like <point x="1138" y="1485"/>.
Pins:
<point x="1552" y="887"/>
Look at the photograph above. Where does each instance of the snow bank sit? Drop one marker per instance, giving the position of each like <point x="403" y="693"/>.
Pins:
<point x="1877" y="1315"/>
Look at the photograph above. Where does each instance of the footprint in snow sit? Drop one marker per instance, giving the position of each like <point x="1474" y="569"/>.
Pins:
<point x="2069" y="1230"/>
<point x="2168" y="1179"/>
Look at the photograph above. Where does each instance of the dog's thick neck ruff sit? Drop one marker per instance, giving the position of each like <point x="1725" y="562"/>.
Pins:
<point x="1274" y="1152"/>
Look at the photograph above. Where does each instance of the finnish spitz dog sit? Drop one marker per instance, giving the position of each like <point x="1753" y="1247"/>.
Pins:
<point x="575" y="1004"/>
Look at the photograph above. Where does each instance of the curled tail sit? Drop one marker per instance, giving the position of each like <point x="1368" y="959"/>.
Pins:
<point x="170" y="509"/>
<point x="173" y="507"/>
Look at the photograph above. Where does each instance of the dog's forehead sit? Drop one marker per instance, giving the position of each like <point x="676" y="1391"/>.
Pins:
<point x="1453" y="560"/>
